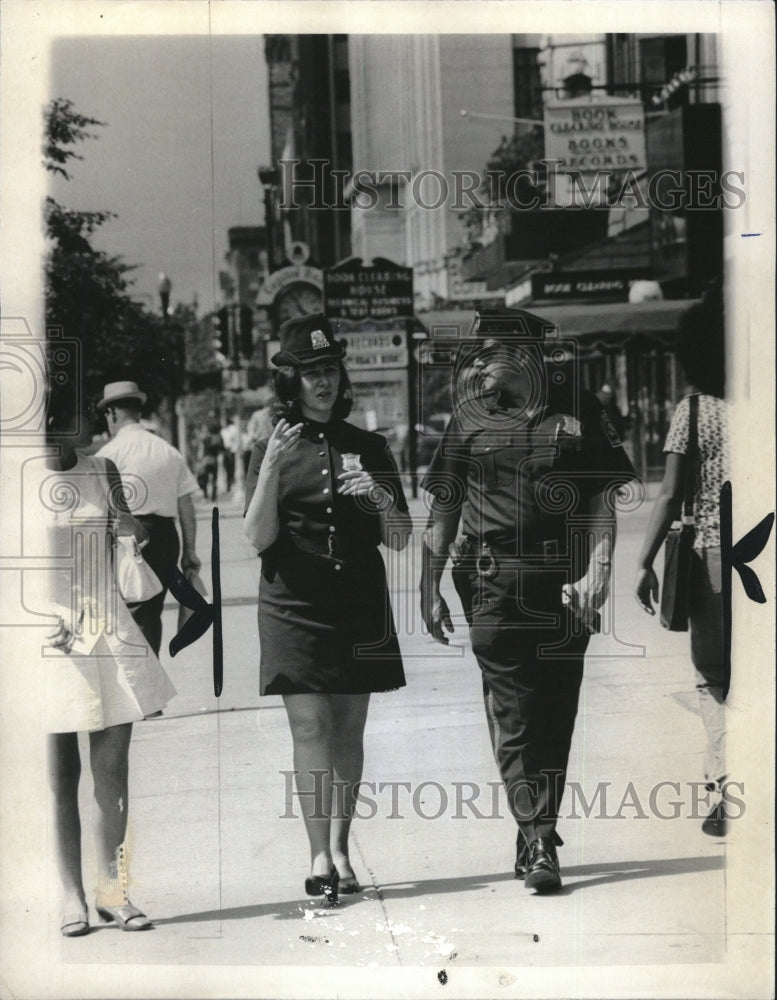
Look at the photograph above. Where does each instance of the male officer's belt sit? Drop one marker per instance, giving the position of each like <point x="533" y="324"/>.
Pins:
<point x="482" y="556"/>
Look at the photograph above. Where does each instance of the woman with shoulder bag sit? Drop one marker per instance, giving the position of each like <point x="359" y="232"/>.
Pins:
<point x="100" y="674"/>
<point x="697" y="463"/>
<point x="321" y="495"/>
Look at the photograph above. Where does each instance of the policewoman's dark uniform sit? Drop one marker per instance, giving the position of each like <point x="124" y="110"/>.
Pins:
<point x="523" y="490"/>
<point x="325" y="619"/>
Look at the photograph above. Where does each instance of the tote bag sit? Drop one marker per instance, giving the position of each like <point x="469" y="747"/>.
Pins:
<point x="678" y="550"/>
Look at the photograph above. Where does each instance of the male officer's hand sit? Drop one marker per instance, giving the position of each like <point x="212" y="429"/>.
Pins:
<point x="589" y="593"/>
<point x="435" y="613"/>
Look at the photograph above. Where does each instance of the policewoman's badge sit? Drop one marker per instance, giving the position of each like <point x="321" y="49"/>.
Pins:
<point x="318" y="339"/>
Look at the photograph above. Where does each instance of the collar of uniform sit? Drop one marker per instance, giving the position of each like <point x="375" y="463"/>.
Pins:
<point x="312" y="428"/>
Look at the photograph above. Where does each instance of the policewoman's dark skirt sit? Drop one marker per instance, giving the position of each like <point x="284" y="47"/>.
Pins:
<point x="326" y="629"/>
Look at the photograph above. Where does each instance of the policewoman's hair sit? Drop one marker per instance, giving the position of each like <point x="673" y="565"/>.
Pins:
<point x="701" y="348"/>
<point x="287" y="384"/>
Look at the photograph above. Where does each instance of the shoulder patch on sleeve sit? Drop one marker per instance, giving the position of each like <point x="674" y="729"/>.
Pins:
<point x="610" y="433"/>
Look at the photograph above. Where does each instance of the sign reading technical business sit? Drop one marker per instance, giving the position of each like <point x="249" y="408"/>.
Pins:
<point x="589" y="136"/>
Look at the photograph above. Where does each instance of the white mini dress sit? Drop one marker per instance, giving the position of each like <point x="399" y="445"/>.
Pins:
<point x="111" y="676"/>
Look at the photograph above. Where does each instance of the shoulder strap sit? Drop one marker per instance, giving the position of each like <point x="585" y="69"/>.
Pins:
<point x="691" y="455"/>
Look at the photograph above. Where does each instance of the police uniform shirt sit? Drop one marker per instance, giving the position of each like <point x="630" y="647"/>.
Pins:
<point x="309" y="505"/>
<point x="518" y="480"/>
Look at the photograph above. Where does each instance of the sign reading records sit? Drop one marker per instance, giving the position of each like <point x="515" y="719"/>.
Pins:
<point x="374" y="349"/>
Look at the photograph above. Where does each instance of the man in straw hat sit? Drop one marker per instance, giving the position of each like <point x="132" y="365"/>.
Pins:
<point x="159" y="488"/>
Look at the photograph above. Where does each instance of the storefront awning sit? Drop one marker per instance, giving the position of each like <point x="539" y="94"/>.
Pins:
<point x="617" y="321"/>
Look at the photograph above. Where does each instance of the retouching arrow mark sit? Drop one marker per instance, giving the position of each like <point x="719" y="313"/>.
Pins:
<point x="748" y="548"/>
<point x="204" y="614"/>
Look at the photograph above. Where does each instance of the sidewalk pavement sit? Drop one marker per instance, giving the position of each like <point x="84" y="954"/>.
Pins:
<point x="219" y="863"/>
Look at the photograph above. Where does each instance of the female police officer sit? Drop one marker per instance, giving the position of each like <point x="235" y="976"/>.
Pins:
<point x="529" y="467"/>
<point x="321" y="496"/>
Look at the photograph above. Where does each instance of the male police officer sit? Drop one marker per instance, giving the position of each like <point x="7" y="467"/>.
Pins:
<point x="530" y="467"/>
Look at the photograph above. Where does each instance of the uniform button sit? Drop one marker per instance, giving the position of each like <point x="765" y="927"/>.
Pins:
<point x="329" y="510"/>
<point x="326" y="489"/>
<point x="331" y="527"/>
<point x="324" y="472"/>
<point x="338" y="566"/>
<point x="321" y="437"/>
<point x="321" y="454"/>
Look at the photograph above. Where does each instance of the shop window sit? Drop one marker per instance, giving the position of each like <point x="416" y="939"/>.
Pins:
<point x="527" y="86"/>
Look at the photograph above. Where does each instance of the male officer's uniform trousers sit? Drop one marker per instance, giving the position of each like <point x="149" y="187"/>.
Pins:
<point x="523" y="490"/>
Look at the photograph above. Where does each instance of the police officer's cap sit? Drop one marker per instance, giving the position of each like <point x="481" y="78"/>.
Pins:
<point x="510" y="325"/>
<point x="305" y="340"/>
<point x="515" y="328"/>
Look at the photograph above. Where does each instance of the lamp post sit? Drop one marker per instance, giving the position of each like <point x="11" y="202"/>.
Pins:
<point x="178" y="418"/>
<point x="267" y="176"/>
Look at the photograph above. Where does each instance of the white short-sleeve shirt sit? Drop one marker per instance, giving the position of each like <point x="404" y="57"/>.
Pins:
<point x="154" y="473"/>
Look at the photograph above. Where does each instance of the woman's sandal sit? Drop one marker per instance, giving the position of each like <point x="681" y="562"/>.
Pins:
<point x="324" y="885"/>
<point x="128" y="917"/>
<point x="75" y="925"/>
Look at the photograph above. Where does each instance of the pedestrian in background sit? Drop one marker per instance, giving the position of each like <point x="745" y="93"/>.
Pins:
<point x="209" y="448"/>
<point x="101" y="676"/>
<point x="701" y="352"/>
<point x="519" y="466"/>
<point x="230" y="439"/>
<point x="160" y="489"/>
<point x="321" y="495"/>
<point x="257" y="426"/>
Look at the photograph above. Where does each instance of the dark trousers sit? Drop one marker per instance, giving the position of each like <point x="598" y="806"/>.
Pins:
<point x="228" y="459"/>
<point x="161" y="554"/>
<point x="207" y="479"/>
<point x="532" y="671"/>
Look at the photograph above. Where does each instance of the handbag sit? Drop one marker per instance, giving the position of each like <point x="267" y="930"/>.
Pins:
<point x="678" y="550"/>
<point x="135" y="579"/>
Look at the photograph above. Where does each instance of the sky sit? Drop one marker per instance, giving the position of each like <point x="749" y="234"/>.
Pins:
<point x="186" y="127"/>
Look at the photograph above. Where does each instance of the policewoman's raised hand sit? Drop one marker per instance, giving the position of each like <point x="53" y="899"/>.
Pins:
<point x="283" y="441"/>
<point x="646" y="590"/>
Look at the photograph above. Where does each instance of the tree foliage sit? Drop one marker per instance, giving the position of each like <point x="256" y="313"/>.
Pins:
<point x="88" y="292"/>
<point x="512" y="158"/>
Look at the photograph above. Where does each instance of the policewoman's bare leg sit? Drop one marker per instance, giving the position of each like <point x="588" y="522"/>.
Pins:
<point x="311" y="722"/>
<point x="349" y="716"/>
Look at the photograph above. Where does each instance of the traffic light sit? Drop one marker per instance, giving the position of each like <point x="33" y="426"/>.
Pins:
<point x="220" y="341"/>
<point x="246" y="332"/>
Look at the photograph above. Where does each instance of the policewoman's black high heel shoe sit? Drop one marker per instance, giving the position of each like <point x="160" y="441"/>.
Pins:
<point x="324" y="885"/>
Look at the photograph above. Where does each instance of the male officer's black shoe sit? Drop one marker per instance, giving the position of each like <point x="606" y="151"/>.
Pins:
<point x="715" y="824"/>
<point x="521" y="856"/>
<point x="522" y="853"/>
<point x="542" y="873"/>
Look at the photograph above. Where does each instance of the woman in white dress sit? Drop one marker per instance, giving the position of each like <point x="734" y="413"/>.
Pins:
<point x="100" y="674"/>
